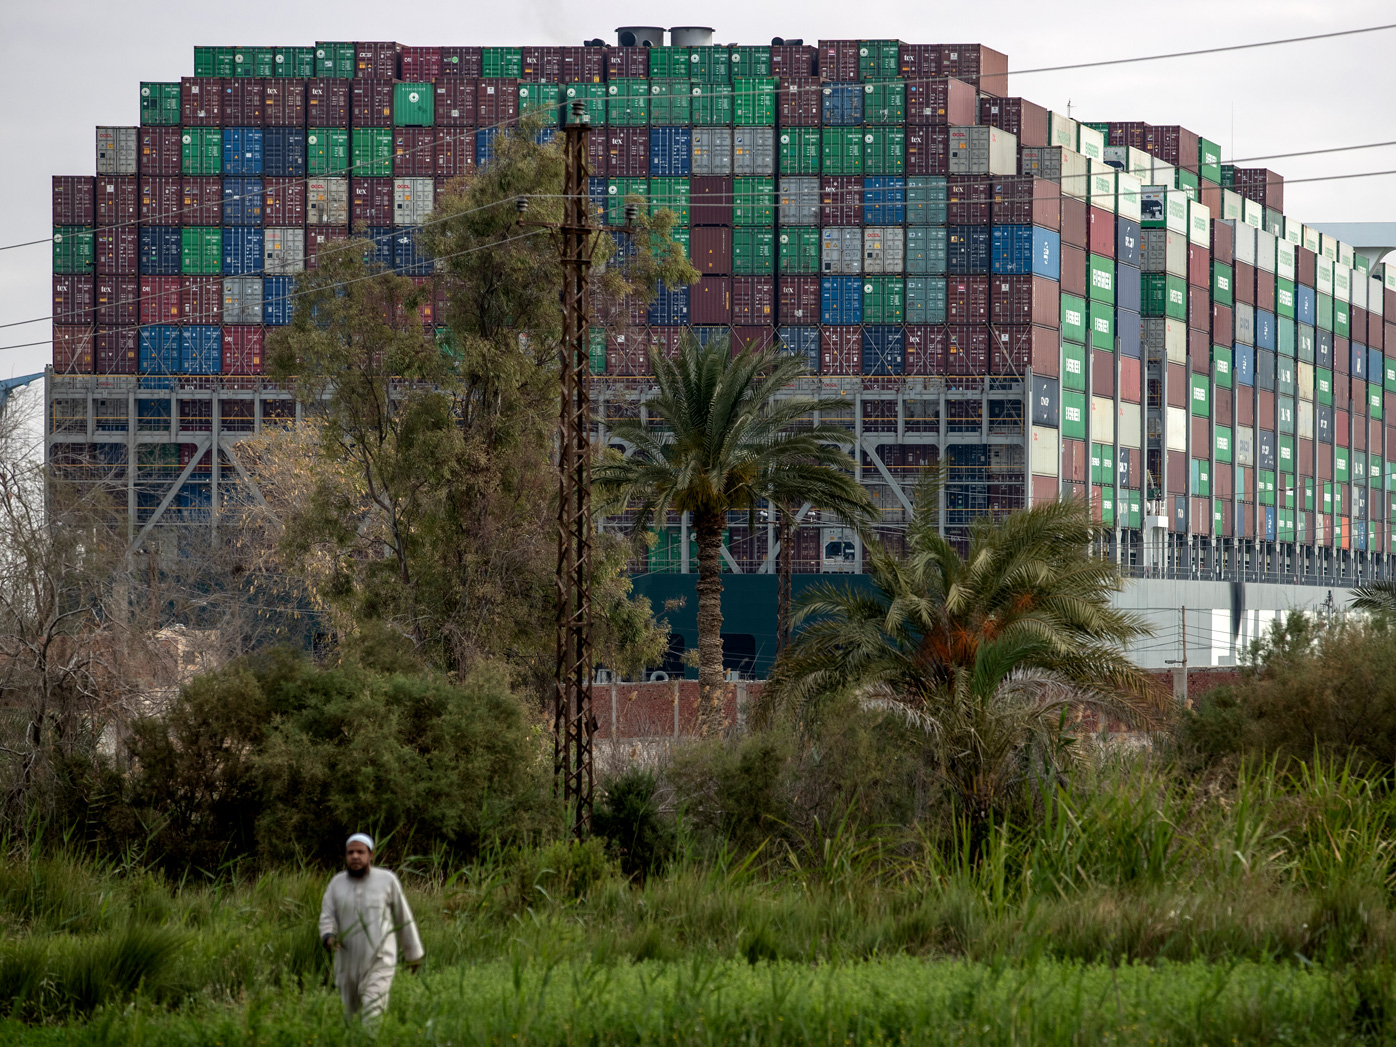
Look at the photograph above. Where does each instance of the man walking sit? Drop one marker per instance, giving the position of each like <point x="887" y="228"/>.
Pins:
<point x="364" y="920"/>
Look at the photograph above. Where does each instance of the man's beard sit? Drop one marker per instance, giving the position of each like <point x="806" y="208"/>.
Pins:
<point x="356" y="874"/>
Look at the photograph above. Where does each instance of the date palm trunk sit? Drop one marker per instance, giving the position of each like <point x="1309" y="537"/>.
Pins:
<point x="711" y="685"/>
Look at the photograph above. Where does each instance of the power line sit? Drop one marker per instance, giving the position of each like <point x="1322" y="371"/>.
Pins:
<point x="1312" y="152"/>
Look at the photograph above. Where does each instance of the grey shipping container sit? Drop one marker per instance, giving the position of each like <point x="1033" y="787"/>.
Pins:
<point x="283" y="251"/>
<point x="1058" y="165"/>
<point x="242" y="299"/>
<point x="1265" y="250"/>
<point x="712" y="151"/>
<point x="116" y="150"/>
<point x="927" y="250"/>
<point x="884" y="249"/>
<point x="925" y="300"/>
<point x="841" y="250"/>
<point x="327" y="201"/>
<point x="926" y="200"/>
<point x="1165" y="252"/>
<point x="1244" y="314"/>
<point x="978" y="150"/>
<point x="753" y="150"/>
<point x="1244" y="247"/>
<point x="413" y="200"/>
<point x="799" y="200"/>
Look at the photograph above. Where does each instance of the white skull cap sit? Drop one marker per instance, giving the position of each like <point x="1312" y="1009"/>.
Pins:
<point x="363" y="838"/>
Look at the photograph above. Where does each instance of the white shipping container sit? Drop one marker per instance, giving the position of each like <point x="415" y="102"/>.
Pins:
<point x="1252" y="213"/>
<point x="712" y="151"/>
<point x="1175" y="261"/>
<point x="841" y="250"/>
<point x="1101" y="187"/>
<point x="1284" y="259"/>
<point x="799" y="200"/>
<point x="1061" y="131"/>
<point x="1345" y="254"/>
<point x="1139" y="163"/>
<point x="1342" y="282"/>
<point x="1129" y="196"/>
<point x="884" y="249"/>
<point x="327" y="201"/>
<point x="1329" y="247"/>
<point x="1294" y="232"/>
<point x="1306" y="420"/>
<point x="1102" y="420"/>
<point x="1165" y="174"/>
<point x="1324" y="275"/>
<point x="413" y="200"/>
<point x="1358" y="291"/>
<point x="1128" y="425"/>
<point x="1117" y="156"/>
<point x="1200" y="224"/>
<point x="1244" y="240"/>
<point x="116" y="150"/>
<point x="1374" y="296"/>
<point x="1090" y="143"/>
<point x="1177" y="422"/>
<point x="1232" y="209"/>
<point x="753" y="151"/>
<point x="1045" y="456"/>
<point x="283" y="251"/>
<point x="1075" y="174"/>
<point x="1265" y="250"/>
<point x="1388" y="278"/>
<point x="1176" y="211"/>
<point x="242" y="299"/>
<point x="1306" y="381"/>
<point x="1245" y="445"/>
<point x="1244" y="317"/>
<point x="1312" y="239"/>
<point x="980" y="150"/>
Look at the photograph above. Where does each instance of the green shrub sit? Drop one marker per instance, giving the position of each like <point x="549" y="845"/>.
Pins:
<point x="736" y="791"/>
<point x="563" y="871"/>
<point x="628" y="818"/>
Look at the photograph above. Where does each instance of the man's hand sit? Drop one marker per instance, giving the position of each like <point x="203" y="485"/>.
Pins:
<point x="415" y="966"/>
<point x="330" y="942"/>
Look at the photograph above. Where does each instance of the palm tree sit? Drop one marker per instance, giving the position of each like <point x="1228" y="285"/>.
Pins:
<point x="987" y="653"/>
<point x="1378" y="598"/>
<point x="720" y="441"/>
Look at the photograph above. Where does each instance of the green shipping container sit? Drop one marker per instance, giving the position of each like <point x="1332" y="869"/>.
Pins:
<point x="679" y="236"/>
<point x="754" y="101"/>
<point x="254" y="61"/>
<point x="842" y="151"/>
<point x="73" y="250"/>
<point x="799" y="249"/>
<point x="669" y="63"/>
<point x="884" y="151"/>
<point x="1223" y="278"/>
<point x="1221" y="443"/>
<point x="1073" y="425"/>
<point x="879" y="59"/>
<point x="750" y="61"/>
<point x="670" y="194"/>
<point x="414" y="105"/>
<point x="1342" y="319"/>
<point x="160" y="105"/>
<point x="712" y="104"/>
<point x="504" y="62"/>
<point x="201" y="151"/>
<point x="925" y="300"/>
<point x="884" y="103"/>
<point x="799" y="150"/>
<point x="927" y="199"/>
<point x="711" y="65"/>
<point x="334" y="60"/>
<point x="1074" y="319"/>
<point x="1176" y="304"/>
<point x="1323" y="387"/>
<point x="1221" y="366"/>
<point x="372" y="151"/>
<point x="596" y="349"/>
<point x="1188" y="183"/>
<point x="753" y="201"/>
<point x="753" y="251"/>
<point x="1284" y="338"/>
<point x="1209" y="161"/>
<point x="1201" y="396"/>
<point x="618" y="191"/>
<point x="1284" y="298"/>
<point x="541" y="102"/>
<point x="671" y="102"/>
<point x="884" y="300"/>
<point x="594" y="98"/>
<point x="296" y="62"/>
<point x="201" y="250"/>
<point x="628" y="103"/>
<point x="1102" y="278"/>
<point x="1200" y="484"/>
<point x="1325" y="312"/>
<point x="326" y="151"/>
<point x="1102" y="317"/>
<point x="215" y="61"/>
<point x="1163" y="295"/>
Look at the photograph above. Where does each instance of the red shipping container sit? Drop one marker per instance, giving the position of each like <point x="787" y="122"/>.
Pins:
<point x="1244" y="283"/>
<point x="710" y="300"/>
<point x="627" y="353"/>
<point x="1342" y="428"/>
<point x="1131" y="391"/>
<point x="840" y="200"/>
<point x="456" y="102"/>
<point x="160" y="201"/>
<point x="73" y="200"/>
<point x="753" y="300"/>
<point x="1224" y="241"/>
<point x="628" y="151"/>
<point x="371" y="201"/>
<point x="461" y="61"/>
<point x="792" y="60"/>
<point x="944" y="102"/>
<point x="201" y="299"/>
<point x="117" y="350"/>
<point x="421" y="64"/>
<point x="243" y="98"/>
<point x="1199" y="310"/>
<point x="1074" y="462"/>
<point x="117" y="301"/>
<point x="1264" y="290"/>
<point x="201" y="101"/>
<point x="582" y="65"/>
<point x="1073" y="270"/>
<point x="966" y="350"/>
<point x="753" y="339"/>
<point x="1027" y="121"/>
<point x="1102" y="372"/>
<point x="1177" y="478"/>
<point x="800" y="99"/>
<point x="710" y="200"/>
<point x="1176" y="145"/>
<point x="1223" y="330"/>
<point x="1075" y="226"/>
<point x="1245" y="405"/>
<point x="283" y="102"/>
<point x="377" y="59"/>
<point x="243" y="350"/>
<point x="371" y="103"/>
<point x="531" y="63"/>
<point x="919" y="61"/>
<point x="970" y="200"/>
<point x="1200" y="347"/>
<point x="1024" y="300"/>
<point x="627" y="63"/>
<point x="1221" y="405"/>
<point x="840" y="350"/>
<point x="73" y="350"/>
<point x="1375" y="332"/>
<point x="202" y="201"/>
<point x="74" y="300"/>
<point x="798" y="300"/>
<point x="496" y="102"/>
<point x="967" y="300"/>
<point x="1177" y="385"/>
<point x="160" y="299"/>
<point x="327" y="102"/>
<point x="1016" y="347"/>
<point x="414" y="152"/>
<point x="664" y="341"/>
<point x="927" y="150"/>
<point x="1026" y="201"/>
<point x="710" y="251"/>
<point x="284" y="203"/>
<point x="838" y="59"/>
<point x="1101" y="238"/>
<point x="1130" y="132"/>
<point x="925" y="350"/>
<point x="118" y="200"/>
<point x="1342" y="358"/>
<point x="981" y="66"/>
<point x="118" y="250"/>
<point x="455" y="152"/>
<point x="162" y="151"/>
<point x="319" y="238"/>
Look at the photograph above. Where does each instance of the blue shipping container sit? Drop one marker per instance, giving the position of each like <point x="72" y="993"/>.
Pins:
<point x="671" y="152"/>
<point x="242" y="251"/>
<point x="1128" y="249"/>
<point x="626" y="248"/>
<point x="484" y="145"/>
<point x="278" y="305"/>
<point x="1129" y="330"/>
<point x="802" y="342"/>
<point x="381" y="237"/>
<point x="1376" y="366"/>
<point x="1359" y="358"/>
<point x="843" y="105"/>
<point x="1270" y="523"/>
<point x="705" y="335"/>
<point x="841" y="300"/>
<point x="242" y="201"/>
<point x="242" y="150"/>
<point x="200" y="349"/>
<point x="1046" y="253"/>
<point x="1304" y="304"/>
<point x="670" y="307"/>
<point x="283" y="152"/>
<point x="1264" y="329"/>
<point x="159" y="351"/>
<point x="1243" y="364"/>
<point x="1128" y="291"/>
<point x="598" y="195"/>
<point x="884" y="200"/>
<point x="1012" y="250"/>
<point x="968" y="250"/>
<point x="884" y="350"/>
<point x="161" y="251"/>
<point x="408" y="256"/>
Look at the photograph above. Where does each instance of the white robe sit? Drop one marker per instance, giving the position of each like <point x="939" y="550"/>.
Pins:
<point x="372" y="920"/>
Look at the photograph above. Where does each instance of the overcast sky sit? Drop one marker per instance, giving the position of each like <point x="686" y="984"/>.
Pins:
<point x="67" y="68"/>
